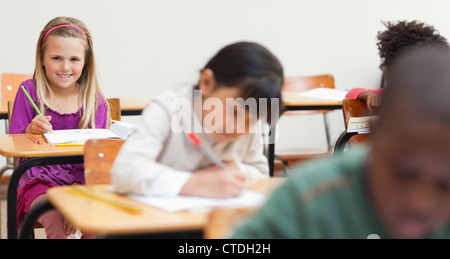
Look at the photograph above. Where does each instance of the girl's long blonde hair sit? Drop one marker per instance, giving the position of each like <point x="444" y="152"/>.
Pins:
<point x="88" y="87"/>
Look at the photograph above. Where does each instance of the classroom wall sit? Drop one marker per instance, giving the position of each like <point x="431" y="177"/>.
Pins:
<point x="144" y="47"/>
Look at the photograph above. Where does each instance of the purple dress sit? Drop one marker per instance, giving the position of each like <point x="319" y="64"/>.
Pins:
<point x="36" y="180"/>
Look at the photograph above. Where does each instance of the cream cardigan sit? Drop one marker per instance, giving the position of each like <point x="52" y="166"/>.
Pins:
<point x="157" y="160"/>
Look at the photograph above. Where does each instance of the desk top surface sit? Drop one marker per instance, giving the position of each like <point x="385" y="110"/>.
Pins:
<point x="99" y="218"/>
<point x="292" y="99"/>
<point x="131" y="103"/>
<point x="19" y="145"/>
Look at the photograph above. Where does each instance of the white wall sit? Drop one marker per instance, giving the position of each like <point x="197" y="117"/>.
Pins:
<point x="145" y="47"/>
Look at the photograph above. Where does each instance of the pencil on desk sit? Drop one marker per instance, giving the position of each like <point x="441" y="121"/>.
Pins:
<point x="34" y="139"/>
<point x="70" y="144"/>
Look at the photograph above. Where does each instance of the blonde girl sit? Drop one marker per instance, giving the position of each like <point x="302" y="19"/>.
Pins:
<point x="66" y="91"/>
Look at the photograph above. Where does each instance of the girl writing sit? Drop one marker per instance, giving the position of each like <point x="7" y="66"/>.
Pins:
<point x="160" y="159"/>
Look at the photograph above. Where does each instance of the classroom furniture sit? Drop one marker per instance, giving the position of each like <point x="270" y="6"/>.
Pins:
<point x="108" y="221"/>
<point x="114" y="108"/>
<point x="293" y="102"/>
<point x="99" y="155"/>
<point x="353" y="108"/>
<point x="130" y="106"/>
<point x="114" y="105"/>
<point x="9" y="83"/>
<point x="19" y="145"/>
<point x="222" y="221"/>
<point x="302" y="84"/>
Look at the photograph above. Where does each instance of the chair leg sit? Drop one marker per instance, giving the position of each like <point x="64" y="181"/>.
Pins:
<point x="342" y="141"/>
<point x="327" y="130"/>
<point x="285" y="167"/>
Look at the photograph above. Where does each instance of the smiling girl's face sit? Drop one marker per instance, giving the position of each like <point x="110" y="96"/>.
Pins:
<point x="63" y="61"/>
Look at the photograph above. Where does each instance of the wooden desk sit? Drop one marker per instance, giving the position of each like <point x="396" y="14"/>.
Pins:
<point x="19" y="145"/>
<point x="131" y="106"/>
<point x="95" y="217"/>
<point x="128" y="106"/>
<point x="293" y="102"/>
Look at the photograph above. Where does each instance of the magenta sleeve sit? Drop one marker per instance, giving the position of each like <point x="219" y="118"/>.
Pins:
<point x="355" y="92"/>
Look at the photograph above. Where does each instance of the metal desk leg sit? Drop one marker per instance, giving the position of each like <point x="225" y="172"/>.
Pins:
<point x="14" y="182"/>
<point x="271" y="151"/>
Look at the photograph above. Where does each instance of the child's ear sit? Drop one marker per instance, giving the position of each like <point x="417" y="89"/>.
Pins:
<point x="206" y="83"/>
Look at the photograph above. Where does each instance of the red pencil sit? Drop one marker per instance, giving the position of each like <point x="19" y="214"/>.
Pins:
<point x="34" y="139"/>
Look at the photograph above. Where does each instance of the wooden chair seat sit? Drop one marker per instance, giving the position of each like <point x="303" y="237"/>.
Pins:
<point x="293" y="157"/>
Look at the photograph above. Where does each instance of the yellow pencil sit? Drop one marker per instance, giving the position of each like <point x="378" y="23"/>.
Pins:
<point x="70" y="144"/>
<point x="128" y="207"/>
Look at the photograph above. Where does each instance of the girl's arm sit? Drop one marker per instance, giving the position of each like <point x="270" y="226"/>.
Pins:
<point x="254" y="163"/>
<point x="355" y="92"/>
<point x="23" y="112"/>
<point x="135" y="169"/>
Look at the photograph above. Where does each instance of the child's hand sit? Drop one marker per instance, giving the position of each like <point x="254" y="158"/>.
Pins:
<point x="69" y="227"/>
<point x="215" y="182"/>
<point x="39" y="125"/>
<point x="373" y="100"/>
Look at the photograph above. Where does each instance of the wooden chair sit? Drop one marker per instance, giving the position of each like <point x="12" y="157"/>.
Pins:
<point x="13" y="165"/>
<point x="114" y="107"/>
<point x="99" y="156"/>
<point x="300" y="84"/>
<point x="222" y="221"/>
<point x="10" y="84"/>
<point x="353" y="108"/>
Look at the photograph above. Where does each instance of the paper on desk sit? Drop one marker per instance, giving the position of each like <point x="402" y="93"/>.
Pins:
<point x="180" y="203"/>
<point x="325" y="94"/>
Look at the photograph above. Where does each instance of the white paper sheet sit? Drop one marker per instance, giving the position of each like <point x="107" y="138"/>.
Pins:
<point x="325" y="94"/>
<point x="180" y="203"/>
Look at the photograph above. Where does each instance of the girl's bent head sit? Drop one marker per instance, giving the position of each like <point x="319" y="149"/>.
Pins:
<point x="245" y="71"/>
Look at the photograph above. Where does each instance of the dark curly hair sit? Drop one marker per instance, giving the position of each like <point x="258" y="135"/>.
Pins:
<point x="403" y="36"/>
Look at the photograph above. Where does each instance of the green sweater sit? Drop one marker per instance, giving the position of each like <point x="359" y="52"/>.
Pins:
<point x="322" y="199"/>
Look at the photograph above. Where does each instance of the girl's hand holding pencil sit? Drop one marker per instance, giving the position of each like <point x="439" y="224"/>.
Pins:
<point x="40" y="124"/>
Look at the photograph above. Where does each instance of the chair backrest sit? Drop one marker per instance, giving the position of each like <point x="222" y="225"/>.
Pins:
<point x="10" y="110"/>
<point x="356" y="108"/>
<point x="222" y="221"/>
<point x="114" y="107"/>
<point x="10" y="84"/>
<point x="305" y="83"/>
<point x="99" y="155"/>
